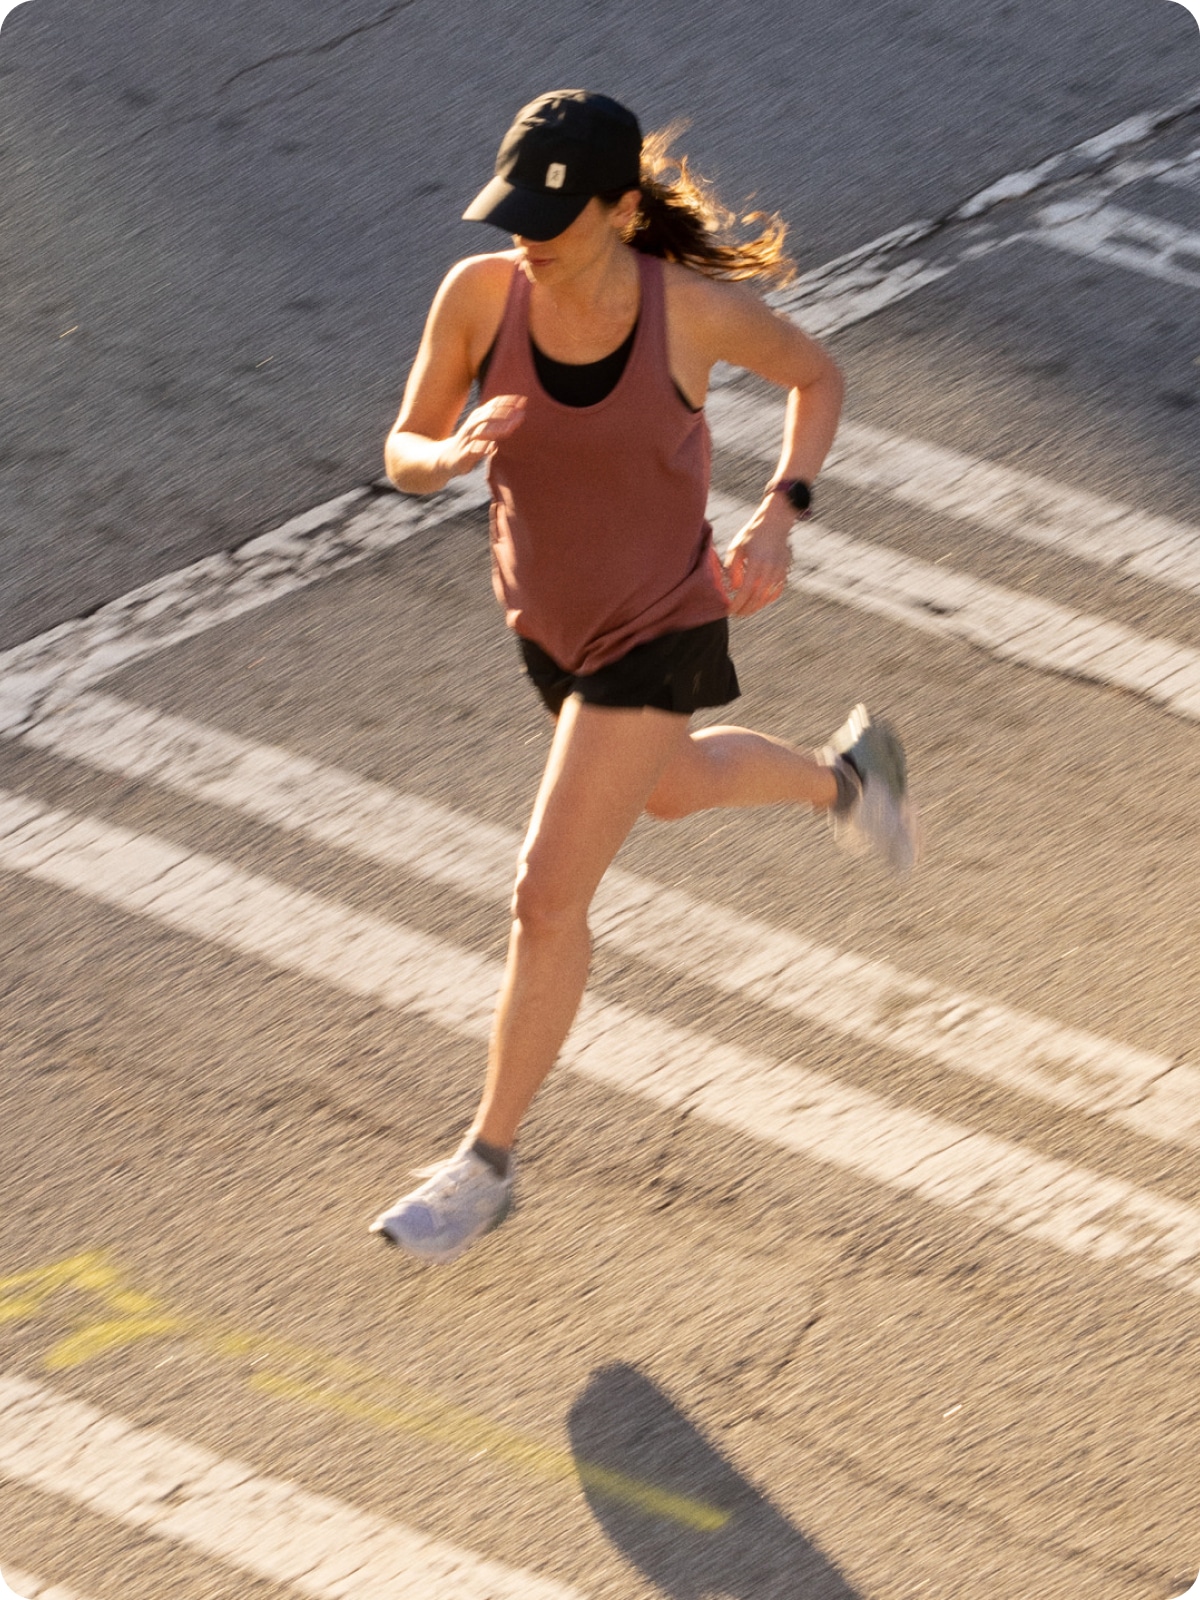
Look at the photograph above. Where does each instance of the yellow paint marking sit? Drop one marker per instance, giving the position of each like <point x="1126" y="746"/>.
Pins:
<point x="311" y="1378"/>
<point x="99" y="1337"/>
<point x="23" y="1297"/>
<point x="468" y="1433"/>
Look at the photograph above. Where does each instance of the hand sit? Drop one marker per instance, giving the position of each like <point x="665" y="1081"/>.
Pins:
<point x="480" y="433"/>
<point x="757" y="561"/>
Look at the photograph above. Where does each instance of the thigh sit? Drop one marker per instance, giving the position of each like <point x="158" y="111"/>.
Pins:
<point x="603" y="765"/>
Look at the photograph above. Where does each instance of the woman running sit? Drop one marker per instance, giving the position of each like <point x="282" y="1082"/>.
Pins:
<point x="592" y="340"/>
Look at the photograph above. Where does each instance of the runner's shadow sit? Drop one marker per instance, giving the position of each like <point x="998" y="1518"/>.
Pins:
<point x="675" y="1508"/>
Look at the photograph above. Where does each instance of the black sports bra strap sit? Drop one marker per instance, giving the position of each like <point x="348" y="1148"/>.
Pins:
<point x="574" y="383"/>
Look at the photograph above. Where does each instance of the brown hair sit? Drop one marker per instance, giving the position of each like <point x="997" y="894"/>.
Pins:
<point x="681" y="219"/>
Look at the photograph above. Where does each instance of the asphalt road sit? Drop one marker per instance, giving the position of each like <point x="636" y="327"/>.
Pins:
<point x="878" y="1394"/>
<point x="240" y="213"/>
<point x="885" y="1398"/>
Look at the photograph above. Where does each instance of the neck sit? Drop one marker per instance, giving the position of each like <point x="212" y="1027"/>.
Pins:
<point x="603" y="285"/>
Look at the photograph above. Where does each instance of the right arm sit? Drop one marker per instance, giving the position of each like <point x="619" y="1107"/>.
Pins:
<point x="424" y="449"/>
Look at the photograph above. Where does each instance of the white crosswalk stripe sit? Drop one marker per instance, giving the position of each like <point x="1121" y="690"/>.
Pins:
<point x="276" y="1530"/>
<point x="164" y="612"/>
<point x="26" y="1587"/>
<point x="1183" y="174"/>
<point x="1006" y="623"/>
<point x="44" y="671"/>
<point x="1123" y="238"/>
<point x="268" y="1527"/>
<point x="868" y="279"/>
<point x="1021" y="505"/>
<point x="845" y="993"/>
<point x="1099" y="1219"/>
<point x="859" y="286"/>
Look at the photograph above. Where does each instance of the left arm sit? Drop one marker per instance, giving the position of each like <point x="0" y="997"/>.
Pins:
<point x="726" y="322"/>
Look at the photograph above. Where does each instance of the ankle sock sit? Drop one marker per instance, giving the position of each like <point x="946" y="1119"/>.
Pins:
<point x="849" y="785"/>
<point x="496" y="1158"/>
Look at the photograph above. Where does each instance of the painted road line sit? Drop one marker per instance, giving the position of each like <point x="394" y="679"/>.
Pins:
<point x="1183" y="174"/>
<point x="1020" y="505"/>
<point x="1006" y="623"/>
<point x="365" y="522"/>
<point x="845" y="993"/>
<point x="310" y="1377"/>
<point x="362" y="523"/>
<point x="861" y="284"/>
<point x="27" y="1587"/>
<point x="147" y="1479"/>
<point x="1099" y="1219"/>
<point x="168" y="610"/>
<point x="1092" y="155"/>
<point x="869" y="279"/>
<point x="1110" y="233"/>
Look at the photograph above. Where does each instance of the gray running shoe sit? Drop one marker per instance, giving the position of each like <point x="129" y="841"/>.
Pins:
<point x="881" y="817"/>
<point x="461" y="1200"/>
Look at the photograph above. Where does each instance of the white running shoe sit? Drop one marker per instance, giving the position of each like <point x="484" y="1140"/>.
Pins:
<point x="462" y="1199"/>
<point x="881" y="817"/>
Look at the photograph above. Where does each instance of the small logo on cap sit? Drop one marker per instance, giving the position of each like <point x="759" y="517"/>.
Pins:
<point x="556" y="175"/>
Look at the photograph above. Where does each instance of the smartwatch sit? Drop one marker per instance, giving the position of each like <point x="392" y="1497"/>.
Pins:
<point x="798" y="492"/>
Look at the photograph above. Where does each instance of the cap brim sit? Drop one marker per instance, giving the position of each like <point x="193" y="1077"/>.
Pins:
<point x="532" y="213"/>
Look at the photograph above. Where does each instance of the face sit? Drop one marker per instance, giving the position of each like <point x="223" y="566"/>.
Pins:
<point x="596" y="231"/>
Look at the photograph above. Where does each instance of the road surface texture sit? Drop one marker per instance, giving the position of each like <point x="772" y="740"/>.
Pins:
<point x="240" y="213"/>
<point x="857" y="1252"/>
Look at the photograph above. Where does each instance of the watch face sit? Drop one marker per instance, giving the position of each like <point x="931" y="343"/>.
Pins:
<point x="800" y="495"/>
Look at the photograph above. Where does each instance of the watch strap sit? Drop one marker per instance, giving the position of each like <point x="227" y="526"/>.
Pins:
<point x="799" y="494"/>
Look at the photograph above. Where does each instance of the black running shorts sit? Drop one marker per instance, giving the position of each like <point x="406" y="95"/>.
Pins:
<point x="680" y="672"/>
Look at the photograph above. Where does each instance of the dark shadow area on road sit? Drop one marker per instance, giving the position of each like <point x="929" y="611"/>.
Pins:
<point x="624" y="1425"/>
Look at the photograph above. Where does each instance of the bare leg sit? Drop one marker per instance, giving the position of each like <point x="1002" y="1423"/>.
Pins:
<point x="735" y="767"/>
<point x="603" y="766"/>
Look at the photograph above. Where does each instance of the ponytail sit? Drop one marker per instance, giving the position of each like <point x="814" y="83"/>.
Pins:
<point x="681" y="219"/>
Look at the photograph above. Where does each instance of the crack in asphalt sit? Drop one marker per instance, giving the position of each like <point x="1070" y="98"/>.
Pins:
<point x="282" y="96"/>
<point x="1087" y="159"/>
<point x="326" y="47"/>
<point x="998" y="1524"/>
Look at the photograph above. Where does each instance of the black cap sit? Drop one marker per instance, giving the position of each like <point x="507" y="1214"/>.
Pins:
<point x="563" y="148"/>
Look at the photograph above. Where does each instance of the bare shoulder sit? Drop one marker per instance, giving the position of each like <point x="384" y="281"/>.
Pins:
<point x="696" y="294"/>
<point x="713" y="310"/>
<point x="723" y="321"/>
<point x="467" y="310"/>
<point x="477" y="282"/>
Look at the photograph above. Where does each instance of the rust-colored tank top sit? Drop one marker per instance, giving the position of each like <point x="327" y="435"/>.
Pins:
<point x="599" y="540"/>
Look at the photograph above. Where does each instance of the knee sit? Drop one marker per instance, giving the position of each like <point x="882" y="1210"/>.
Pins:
<point x="542" y="908"/>
<point x="668" y="802"/>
